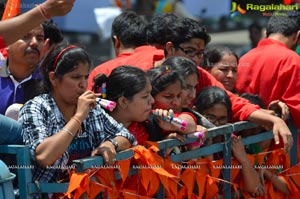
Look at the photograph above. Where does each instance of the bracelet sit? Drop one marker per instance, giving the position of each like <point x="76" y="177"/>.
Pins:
<point x="44" y="12"/>
<point x="77" y="121"/>
<point x="68" y="131"/>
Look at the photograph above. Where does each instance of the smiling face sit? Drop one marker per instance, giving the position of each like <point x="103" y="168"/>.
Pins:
<point x="67" y="89"/>
<point x="139" y="107"/>
<point x="225" y="71"/>
<point x="169" y="98"/>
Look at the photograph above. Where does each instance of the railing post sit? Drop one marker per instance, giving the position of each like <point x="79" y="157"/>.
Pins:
<point x="227" y="163"/>
<point x="293" y="151"/>
<point x="23" y="167"/>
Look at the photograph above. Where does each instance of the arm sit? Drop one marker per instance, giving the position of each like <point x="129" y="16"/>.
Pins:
<point x="278" y="181"/>
<point x="113" y="132"/>
<point x="108" y="150"/>
<point x="14" y="28"/>
<point x="243" y="110"/>
<point x="249" y="175"/>
<point x="279" y="127"/>
<point x="52" y="147"/>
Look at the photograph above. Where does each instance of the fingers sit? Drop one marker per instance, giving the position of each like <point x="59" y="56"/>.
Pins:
<point x="282" y="130"/>
<point x="176" y="136"/>
<point x="276" y="137"/>
<point x="284" y="110"/>
<point x="88" y="100"/>
<point x="288" y="143"/>
<point x="59" y="8"/>
<point x="200" y="128"/>
<point x="107" y="151"/>
<point x="109" y="157"/>
<point x="260" y="190"/>
<point x="280" y="107"/>
<point x="164" y="113"/>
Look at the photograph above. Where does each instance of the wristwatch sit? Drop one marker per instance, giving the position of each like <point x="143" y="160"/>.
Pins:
<point x="114" y="142"/>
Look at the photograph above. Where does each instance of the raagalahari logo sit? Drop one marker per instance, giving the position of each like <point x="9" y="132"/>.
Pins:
<point x="265" y="9"/>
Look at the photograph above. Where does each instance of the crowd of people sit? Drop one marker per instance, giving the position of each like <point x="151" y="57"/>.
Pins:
<point x="163" y="82"/>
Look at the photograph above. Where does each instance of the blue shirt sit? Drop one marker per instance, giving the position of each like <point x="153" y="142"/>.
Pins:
<point x="10" y="93"/>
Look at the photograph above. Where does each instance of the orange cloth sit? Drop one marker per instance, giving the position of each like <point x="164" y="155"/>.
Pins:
<point x="178" y="180"/>
<point x="12" y="9"/>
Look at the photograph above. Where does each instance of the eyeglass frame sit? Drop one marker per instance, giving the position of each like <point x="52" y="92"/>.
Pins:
<point x="194" y="52"/>
<point x="213" y="119"/>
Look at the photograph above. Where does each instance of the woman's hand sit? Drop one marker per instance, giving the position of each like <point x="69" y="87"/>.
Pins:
<point x="86" y="101"/>
<point x="164" y="117"/>
<point x="177" y="136"/>
<point x="107" y="151"/>
<point x="202" y="129"/>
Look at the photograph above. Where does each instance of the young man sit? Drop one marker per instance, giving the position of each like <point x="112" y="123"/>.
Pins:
<point x="272" y="70"/>
<point x="187" y="38"/>
<point x="128" y="32"/>
<point x="142" y="54"/>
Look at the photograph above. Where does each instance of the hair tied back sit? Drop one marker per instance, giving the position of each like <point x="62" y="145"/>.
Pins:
<point x="60" y="55"/>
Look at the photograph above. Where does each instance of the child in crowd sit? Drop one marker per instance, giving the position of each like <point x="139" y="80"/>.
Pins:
<point x="167" y="86"/>
<point x="215" y="105"/>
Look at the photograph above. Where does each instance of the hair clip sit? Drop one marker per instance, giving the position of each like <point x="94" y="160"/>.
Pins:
<point x="103" y="90"/>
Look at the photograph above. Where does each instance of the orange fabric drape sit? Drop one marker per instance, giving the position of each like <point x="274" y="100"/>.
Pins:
<point x="192" y="179"/>
<point x="12" y="8"/>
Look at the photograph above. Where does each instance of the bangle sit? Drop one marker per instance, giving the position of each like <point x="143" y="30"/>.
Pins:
<point x="68" y="131"/>
<point x="44" y="12"/>
<point x="77" y="121"/>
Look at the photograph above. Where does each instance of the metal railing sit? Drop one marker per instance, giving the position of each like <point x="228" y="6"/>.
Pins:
<point x="27" y="187"/>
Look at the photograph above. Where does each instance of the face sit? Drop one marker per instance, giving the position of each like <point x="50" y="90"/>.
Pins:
<point x="139" y="107"/>
<point x="189" y="91"/>
<point x="225" y="71"/>
<point x="25" y="53"/>
<point x="193" y="49"/>
<point x="170" y="98"/>
<point x="71" y="85"/>
<point x="217" y="114"/>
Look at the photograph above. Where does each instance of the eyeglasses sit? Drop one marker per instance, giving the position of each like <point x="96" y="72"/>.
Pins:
<point x="191" y="52"/>
<point x="213" y="119"/>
